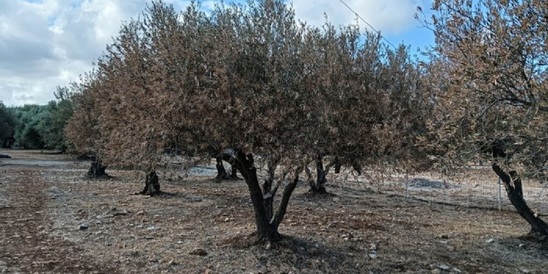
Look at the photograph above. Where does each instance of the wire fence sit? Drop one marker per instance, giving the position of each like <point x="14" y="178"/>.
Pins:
<point x="474" y="187"/>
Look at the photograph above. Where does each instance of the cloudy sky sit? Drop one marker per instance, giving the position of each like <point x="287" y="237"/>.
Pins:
<point x="49" y="43"/>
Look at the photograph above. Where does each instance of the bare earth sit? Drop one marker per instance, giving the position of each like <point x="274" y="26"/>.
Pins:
<point x="52" y="220"/>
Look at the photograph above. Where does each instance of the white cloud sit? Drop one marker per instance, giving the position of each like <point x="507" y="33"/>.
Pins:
<point x="46" y="43"/>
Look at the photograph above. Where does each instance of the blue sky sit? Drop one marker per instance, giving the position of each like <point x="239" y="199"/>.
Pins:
<point x="49" y="43"/>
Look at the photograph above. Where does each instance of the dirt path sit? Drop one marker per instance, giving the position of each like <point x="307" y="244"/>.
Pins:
<point x="25" y="245"/>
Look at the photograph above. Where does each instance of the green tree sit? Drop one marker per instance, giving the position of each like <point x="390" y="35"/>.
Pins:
<point x="28" y="133"/>
<point x="54" y="122"/>
<point x="8" y="123"/>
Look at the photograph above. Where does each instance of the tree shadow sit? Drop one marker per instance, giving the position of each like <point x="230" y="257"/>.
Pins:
<point x="300" y="253"/>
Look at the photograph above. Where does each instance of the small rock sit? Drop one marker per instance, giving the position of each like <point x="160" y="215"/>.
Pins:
<point x="120" y="213"/>
<point x="84" y="226"/>
<point x="523" y="270"/>
<point x="444" y="267"/>
<point x="373" y="251"/>
<point x="521" y="245"/>
<point x="194" y="198"/>
<point x="3" y="267"/>
<point x="491" y="240"/>
<point x="140" y="212"/>
<point x="198" y="251"/>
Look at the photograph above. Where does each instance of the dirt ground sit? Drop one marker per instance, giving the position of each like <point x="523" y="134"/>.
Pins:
<point x="53" y="220"/>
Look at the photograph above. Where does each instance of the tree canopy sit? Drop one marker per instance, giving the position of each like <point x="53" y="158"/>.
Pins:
<point x="254" y="79"/>
<point x="8" y="123"/>
<point x="488" y="81"/>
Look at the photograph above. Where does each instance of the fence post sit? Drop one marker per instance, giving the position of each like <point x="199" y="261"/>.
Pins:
<point x="500" y="195"/>
<point x="406" y="184"/>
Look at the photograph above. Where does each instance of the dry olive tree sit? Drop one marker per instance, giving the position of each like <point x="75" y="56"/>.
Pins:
<point x="82" y="129"/>
<point x="254" y="101"/>
<point x="488" y="75"/>
<point x="368" y="104"/>
<point x="253" y="79"/>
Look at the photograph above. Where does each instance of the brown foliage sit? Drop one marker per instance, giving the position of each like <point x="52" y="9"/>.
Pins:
<point x="488" y="80"/>
<point x="254" y="79"/>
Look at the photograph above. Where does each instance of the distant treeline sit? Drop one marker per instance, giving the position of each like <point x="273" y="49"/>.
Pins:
<point x="36" y="126"/>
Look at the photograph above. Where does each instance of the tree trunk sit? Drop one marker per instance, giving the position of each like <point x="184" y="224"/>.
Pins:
<point x="267" y="228"/>
<point x="8" y="142"/>
<point x="234" y="172"/>
<point x="514" y="189"/>
<point x="357" y="167"/>
<point x="268" y="192"/>
<point x="318" y="186"/>
<point x="338" y="165"/>
<point x="97" y="170"/>
<point x="221" y="171"/>
<point x="152" y="185"/>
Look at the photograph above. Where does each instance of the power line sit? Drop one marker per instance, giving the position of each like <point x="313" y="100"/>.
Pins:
<point x="369" y="25"/>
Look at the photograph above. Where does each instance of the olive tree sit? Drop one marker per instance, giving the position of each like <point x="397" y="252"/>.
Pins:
<point x="489" y="90"/>
<point x="253" y="79"/>
<point x="8" y="123"/>
<point x="82" y="128"/>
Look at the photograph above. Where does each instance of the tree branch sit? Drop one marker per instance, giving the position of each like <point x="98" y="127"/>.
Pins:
<point x="285" y="199"/>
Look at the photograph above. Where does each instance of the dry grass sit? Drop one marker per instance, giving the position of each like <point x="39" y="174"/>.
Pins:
<point x="202" y="227"/>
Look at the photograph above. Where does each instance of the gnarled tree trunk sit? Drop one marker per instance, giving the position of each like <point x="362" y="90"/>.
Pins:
<point x="152" y="185"/>
<point x="234" y="172"/>
<point x="318" y="186"/>
<point x="222" y="174"/>
<point x="513" y="185"/>
<point x="266" y="222"/>
<point x="8" y="142"/>
<point x="338" y="165"/>
<point x="221" y="171"/>
<point x="97" y="170"/>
